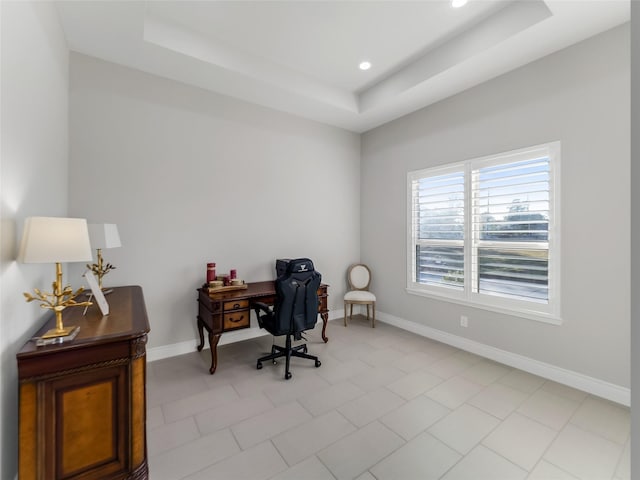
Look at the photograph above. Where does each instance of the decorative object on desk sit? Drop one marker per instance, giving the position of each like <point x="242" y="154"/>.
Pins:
<point x="55" y="240"/>
<point x="227" y="288"/>
<point x="233" y="274"/>
<point x="216" y="284"/>
<point x="103" y="235"/>
<point x="97" y="292"/>
<point x="224" y="278"/>
<point x="236" y="282"/>
<point x="211" y="272"/>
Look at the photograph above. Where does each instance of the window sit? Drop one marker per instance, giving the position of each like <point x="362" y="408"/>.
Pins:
<point x="484" y="232"/>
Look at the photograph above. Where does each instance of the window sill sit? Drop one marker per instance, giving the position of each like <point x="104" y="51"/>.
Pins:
<point x="517" y="312"/>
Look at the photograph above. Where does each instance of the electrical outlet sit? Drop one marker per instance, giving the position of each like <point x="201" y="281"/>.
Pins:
<point x="464" y="321"/>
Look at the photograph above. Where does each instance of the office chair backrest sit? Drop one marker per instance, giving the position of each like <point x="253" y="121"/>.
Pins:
<point x="296" y="305"/>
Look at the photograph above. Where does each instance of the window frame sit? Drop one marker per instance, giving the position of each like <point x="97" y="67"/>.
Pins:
<point x="549" y="312"/>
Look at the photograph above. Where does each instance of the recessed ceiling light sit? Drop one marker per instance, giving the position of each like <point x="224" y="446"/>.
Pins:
<point x="458" y="3"/>
<point x="364" y="65"/>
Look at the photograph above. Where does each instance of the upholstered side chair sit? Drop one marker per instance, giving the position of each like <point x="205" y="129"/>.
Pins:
<point x="359" y="278"/>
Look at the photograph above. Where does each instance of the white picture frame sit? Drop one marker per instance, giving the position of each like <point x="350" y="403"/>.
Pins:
<point x="97" y="292"/>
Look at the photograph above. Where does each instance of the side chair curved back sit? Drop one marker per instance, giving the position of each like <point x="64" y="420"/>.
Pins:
<point x="359" y="278"/>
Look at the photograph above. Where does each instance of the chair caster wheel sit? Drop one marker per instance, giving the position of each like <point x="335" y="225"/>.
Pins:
<point x="305" y="349"/>
<point x="259" y="365"/>
<point x="274" y="362"/>
<point x="287" y="375"/>
<point x="318" y="363"/>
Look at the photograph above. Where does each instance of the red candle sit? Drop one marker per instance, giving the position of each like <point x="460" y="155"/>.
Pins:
<point x="211" y="272"/>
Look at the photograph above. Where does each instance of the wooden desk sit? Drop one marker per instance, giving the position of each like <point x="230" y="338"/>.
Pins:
<point x="82" y="403"/>
<point x="224" y="312"/>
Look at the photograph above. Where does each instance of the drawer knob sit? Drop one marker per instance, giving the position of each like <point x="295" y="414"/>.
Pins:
<point x="237" y="305"/>
<point x="237" y="320"/>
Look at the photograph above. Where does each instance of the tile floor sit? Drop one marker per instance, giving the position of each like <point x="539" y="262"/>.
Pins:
<point x="386" y="404"/>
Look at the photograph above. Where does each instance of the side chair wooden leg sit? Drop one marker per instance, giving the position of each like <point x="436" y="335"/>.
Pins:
<point x="345" y="314"/>
<point x="373" y="318"/>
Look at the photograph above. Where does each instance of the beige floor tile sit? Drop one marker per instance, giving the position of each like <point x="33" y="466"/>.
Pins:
<point x="193" y="404"/>
<point x="454" y="392"/>
<point x="464" y="428"/>
<point x="234" y="412"/>
<point x="376" y="378"/>
<point x="549" y="409"/>
<point x="486" y="372"/>
<point x="498" y="400"/>
<point x="483" y="464"/>
<point x="351" y="456"/>
<point x="192" y="457"/>
<point x="423" y="458"/>
<point x="365" y="476"/>
<point x="309" y="469"/>
<point x="155" y="418"/>
<point x="584" y="454"/>
<point x="413" y="384"/>
<point x="303" y="382"/>
<point x="162" y="391"/>
<point x="370" y="406"/>
<point x="336" y="371"/>
<point x="381" y="357"/>
<point x="257" y="463"/>
<point x="623" y="470"/>
<point x="523" y="381"/>
<point x="449" y="366"/>
<point x="310" y="437"/>
<point x="414" y="417"/>
<point x="172" y="435"/>
<point x="331" y="397"/>
<point x="605" y="418"/>
<point x="545" y="471"/>
<point x="564" y="391"/>
<point x="257" y="429"/>
<point x="416" y="360"/>
<point x="520" y="440"/>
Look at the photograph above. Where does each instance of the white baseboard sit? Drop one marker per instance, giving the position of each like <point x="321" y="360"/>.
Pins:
<point x="188" y="346"/>
<point x="600" y="388"/>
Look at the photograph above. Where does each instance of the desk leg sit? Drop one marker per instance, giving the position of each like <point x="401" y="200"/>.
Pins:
<point x="201" y="333"/>
<point x="213" y="344"/>
<point x="325" y="318"/>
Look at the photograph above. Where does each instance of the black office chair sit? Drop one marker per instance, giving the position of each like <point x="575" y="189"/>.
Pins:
<point x="294" y="311"/>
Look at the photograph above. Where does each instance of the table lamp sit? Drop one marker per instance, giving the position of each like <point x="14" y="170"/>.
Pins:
<point x="103" y="235"/>
<point x="55" y="240"/>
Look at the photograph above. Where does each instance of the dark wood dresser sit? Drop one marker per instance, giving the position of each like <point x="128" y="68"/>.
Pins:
<point x="82" y="403"/>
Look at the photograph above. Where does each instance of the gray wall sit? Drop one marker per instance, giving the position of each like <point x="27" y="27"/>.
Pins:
<point x="190" y="176"/>
<point x="579" y="96"/>
<point x="33" y="180"/>
<point x="635" y="234"/>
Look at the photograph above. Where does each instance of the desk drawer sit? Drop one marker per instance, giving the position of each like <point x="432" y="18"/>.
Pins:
<point x="235" y="305"/>
<point x="236" y="320"/>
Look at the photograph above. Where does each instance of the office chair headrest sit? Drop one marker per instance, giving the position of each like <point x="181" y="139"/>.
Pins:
<point x="300" y="265"/>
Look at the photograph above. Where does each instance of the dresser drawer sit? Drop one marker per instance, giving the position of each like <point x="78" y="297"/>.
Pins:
<point x="235" y="320"/>
<point x="236" y="305"/>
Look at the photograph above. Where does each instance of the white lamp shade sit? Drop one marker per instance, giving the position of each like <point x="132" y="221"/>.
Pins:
<point x="104" y="235"/>
<point x="55" y="240"/>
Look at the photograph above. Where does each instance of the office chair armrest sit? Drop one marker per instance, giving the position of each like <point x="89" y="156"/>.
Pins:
<point x="261" y="307"/>
<point x="263" y="313"/>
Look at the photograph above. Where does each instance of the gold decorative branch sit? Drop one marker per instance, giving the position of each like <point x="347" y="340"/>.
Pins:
<point x="57" y="301"/>
<point x="52" y="301"/>
<point x="100" y="269"/>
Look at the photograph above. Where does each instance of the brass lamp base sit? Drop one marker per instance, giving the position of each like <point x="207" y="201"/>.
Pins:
<point x="63" y="332"/>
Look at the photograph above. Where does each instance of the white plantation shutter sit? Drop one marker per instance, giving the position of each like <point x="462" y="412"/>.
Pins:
<point x="511" y="229"/>
<point x="438" y="225"/>
<point x="484" y="232"/>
